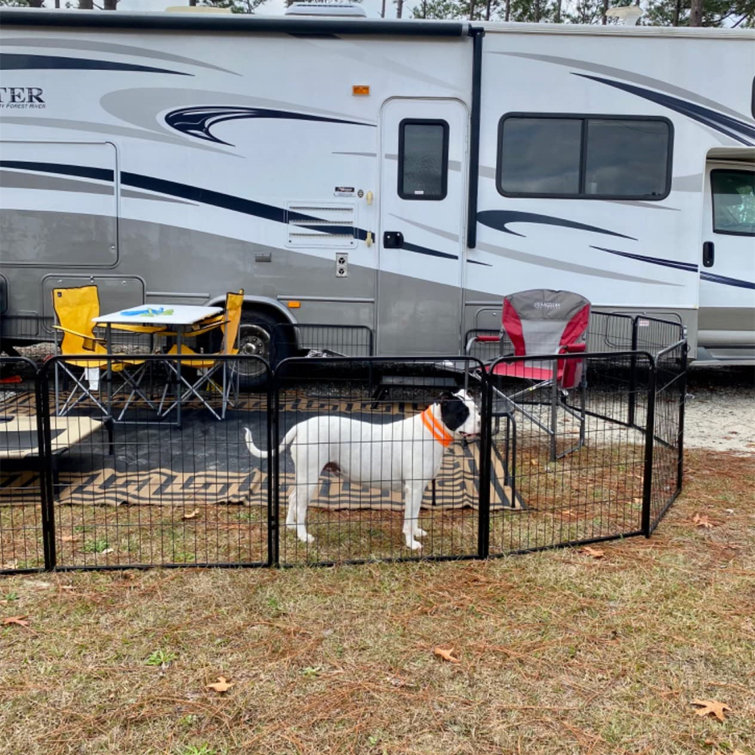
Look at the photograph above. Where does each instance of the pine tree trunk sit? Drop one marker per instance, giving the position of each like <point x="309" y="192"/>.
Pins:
<point x="696" y="13"/>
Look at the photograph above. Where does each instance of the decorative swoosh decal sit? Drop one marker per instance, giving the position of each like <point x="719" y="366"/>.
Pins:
<point x="726" y="281"/>
<point x="686" y="266"/>
<point x="82" y="171"/>
<point x="20" y="62"/>
<point x="500" y="220"/>
<point x="201" y="196"/>
<point x="197" y="121"/>
<point x="430" y="252"/>
<point x="738" y="130"/>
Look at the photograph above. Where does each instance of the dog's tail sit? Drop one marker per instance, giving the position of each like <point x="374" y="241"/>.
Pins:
<point x="254" y="451"/>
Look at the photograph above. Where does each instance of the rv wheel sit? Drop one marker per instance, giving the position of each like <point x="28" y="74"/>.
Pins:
<point x="260" y="335"/>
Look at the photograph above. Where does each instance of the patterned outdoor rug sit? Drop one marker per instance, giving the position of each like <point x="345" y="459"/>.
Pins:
<point x="455" y="487"/>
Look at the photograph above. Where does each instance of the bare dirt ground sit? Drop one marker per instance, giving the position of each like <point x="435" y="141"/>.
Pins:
<point x="720" y="409"/>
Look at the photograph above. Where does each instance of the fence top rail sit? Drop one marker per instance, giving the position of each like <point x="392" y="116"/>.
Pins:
<point x="587" y="355"/>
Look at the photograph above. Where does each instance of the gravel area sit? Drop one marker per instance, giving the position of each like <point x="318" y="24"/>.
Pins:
<point x="720" y="409"/>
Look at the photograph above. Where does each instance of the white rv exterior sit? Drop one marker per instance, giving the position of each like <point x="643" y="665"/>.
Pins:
<point x="402" y="175"/>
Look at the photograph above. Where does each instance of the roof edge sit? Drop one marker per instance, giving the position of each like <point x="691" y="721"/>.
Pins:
<point x="237" y="22"/>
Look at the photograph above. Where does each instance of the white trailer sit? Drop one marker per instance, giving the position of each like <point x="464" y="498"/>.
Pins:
<point x="402" y="175"/>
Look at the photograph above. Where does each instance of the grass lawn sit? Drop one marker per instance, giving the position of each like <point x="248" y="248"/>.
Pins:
<point x="595" y="650"/>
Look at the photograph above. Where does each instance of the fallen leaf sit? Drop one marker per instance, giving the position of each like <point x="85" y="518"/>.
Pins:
<point x="592" y="552"/>
<point x="221" y="685"/>
<point x="702" y="521"/>
<point x="446" y="655"/>
<point x="20" y="620"/>
<point x="191" y="515"/>
<point x="711" y="707"/>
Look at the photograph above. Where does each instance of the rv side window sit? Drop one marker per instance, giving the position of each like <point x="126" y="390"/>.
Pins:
<point x="733" y="202"/>
<point x="600" y="157"/>
<point x="422" y="159"/>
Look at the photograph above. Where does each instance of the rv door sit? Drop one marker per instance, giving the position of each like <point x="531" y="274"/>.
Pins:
<point x="422" y="192"/>
<point x="726" y="323"/>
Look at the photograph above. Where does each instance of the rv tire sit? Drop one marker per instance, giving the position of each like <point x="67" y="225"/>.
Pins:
<point x="260" y="335"/>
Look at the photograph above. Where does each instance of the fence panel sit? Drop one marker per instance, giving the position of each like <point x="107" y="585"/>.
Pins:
<point x="135" y="487"/>
<point x="22" y="457"/>
<point x="668" y="430"/>
<point x="363" y="418"/>
<point x="319" y="340"/>
<point x="568" y="467"/>
<point x="144" y="492"/>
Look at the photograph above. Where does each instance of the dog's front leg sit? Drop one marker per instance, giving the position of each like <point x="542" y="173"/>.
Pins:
<point x="412" y="501"/>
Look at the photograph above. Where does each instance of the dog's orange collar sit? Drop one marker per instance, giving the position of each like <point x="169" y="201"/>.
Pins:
<point x="430" y="421"/>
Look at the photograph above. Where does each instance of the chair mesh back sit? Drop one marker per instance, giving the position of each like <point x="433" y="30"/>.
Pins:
<point x="541" y="320"/>
<point x="75" y="308"/>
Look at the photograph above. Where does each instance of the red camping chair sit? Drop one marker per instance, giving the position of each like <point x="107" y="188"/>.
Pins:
<point x="540" y="323"/>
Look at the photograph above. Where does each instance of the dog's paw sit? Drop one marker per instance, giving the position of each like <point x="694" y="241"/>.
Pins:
<point x="415" y="545"/>
<point x="419" y="532"/>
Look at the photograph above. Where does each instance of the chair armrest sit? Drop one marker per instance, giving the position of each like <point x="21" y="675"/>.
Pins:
<point x="199" y="329"/>
<point x="573" y="348"/>
<point x="89" y="339"/>
<point x="148" y="329"/>
<point x="480" y="335"/>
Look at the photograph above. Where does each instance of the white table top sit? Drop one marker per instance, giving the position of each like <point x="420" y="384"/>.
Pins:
<point x="159" y="314"/>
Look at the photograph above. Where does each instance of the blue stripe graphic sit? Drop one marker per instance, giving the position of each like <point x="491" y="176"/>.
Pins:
<point x="23" y="62"/>
<point x="197" y="121"/>
<point x="81" y="171"/>
<point x="500" y="220"/>
<point x="722" y="279"/>
<point x="202" y="196"/>
<point x="688" y="267"/>
<point x="738" y="130"/>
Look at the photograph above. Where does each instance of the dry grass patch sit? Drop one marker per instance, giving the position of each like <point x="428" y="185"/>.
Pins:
<point x="563" y="651"/>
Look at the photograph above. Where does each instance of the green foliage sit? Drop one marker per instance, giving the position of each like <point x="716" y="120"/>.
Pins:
<point x="657" y="12"/>
<point x="716" y="13"/>
<point x="160" y="658"/>
<point x="236" y="6"/>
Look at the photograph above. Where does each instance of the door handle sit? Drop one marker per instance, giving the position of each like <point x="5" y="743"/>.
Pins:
<point x="709" y="254"/>
<point x="393" y="240"/>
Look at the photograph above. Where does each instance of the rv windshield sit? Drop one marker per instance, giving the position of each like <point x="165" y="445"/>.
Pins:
<point x="733" y="201"/>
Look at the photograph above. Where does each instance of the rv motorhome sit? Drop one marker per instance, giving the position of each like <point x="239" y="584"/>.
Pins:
<point x="401" y="175"/>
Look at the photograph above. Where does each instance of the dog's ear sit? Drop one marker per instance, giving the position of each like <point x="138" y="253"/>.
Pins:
<point x="453" y="411"/>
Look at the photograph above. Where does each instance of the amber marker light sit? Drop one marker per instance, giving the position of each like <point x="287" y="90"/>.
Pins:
<point x="293" y="304"/>
<point x="360" y="90"/>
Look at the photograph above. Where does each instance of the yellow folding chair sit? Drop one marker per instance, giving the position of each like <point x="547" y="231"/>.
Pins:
<point x="208" y="365"/>
<point x="74" y="309"/>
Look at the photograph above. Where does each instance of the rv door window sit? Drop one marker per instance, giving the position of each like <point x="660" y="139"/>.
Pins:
<point x="422" y="159"/>
<point x="733" y="201"/>
<point x="600" y="157"/>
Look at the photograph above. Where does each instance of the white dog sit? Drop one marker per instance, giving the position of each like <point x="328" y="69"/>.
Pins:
<point x="405" y="454"/>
